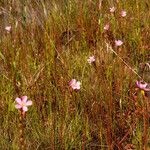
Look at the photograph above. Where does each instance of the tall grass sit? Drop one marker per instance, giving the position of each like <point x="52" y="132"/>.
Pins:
<point x="48" y="45"/>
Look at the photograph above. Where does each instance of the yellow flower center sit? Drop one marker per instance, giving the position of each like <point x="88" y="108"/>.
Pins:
<point x="142" y="92"/>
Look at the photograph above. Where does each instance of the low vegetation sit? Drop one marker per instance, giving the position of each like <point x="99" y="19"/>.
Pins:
<point x="78" y="62"/>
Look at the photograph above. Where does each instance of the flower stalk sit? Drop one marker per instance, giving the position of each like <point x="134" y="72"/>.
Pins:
<point x="22" y="128"/>
<point x="22" y="105"/>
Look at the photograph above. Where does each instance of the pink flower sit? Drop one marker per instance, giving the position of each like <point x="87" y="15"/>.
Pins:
<point x="142" y="86"/>
<point x="123" y="13"/>
<point x="23" y="103"/>
<point x="74" y="84"/>
<point x="8" y="28"/>
<point x="112" y="9"/>
<point x="118" y="42"/>
<point x="106" y="27"/>
<point x="91" y="59"/>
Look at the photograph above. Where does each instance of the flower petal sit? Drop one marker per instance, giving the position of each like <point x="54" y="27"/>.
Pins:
<point x="78" y="85"/>
<point x="142" y="86"/>
<point x="24" y="108"/>
<point x="29" y="103"/>
<point x="147" y="89"/>
<point x="8" y="28"/>
<point x="72" y="82"/>
<point x="18" y="100"/>
<point x="18" y="106"/>
<point x="91" y="59"/>
<point x="118" y="42"/>
<point x="24" y="99"/>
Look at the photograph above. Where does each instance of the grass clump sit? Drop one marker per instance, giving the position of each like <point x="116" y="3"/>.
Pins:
<point x="47" y="45"/>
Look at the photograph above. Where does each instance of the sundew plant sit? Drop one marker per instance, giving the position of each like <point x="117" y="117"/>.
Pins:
<point x="85" y="68"/>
